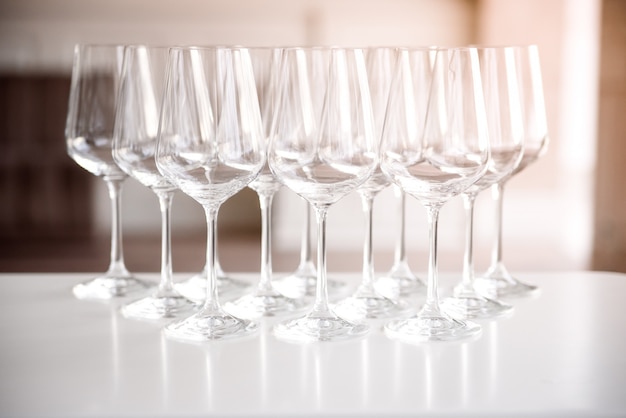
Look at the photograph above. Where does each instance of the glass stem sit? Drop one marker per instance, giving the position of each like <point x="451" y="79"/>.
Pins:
<point x="367" y="201"/>
<point x="400" y="253"/>
<point x="116" y="266"/>
<point x="305" y="249"/>
<point x="265" y="202"/>
<point x="432" y="292"/>
<point x="166" y="286"/>
<point x="211" y="303"/>
<point x="321" y="296"/>
<point x="497" y="194"/>
<point x="468" y="260"/>
<point x="219" y="271"/>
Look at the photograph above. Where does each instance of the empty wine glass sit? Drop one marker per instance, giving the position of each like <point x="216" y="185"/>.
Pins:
<point x="323" y="147"/>
<point x="89" y="141"/>
<point x="434" y="159"/>
<point x="265" y="300"/>
<point x="366" y="302"/>
<point x="506" y="136"/>
<point x="135" y="137"/>
<point x="210" y="146"/>
<point x="497" y="282"/>
<point x="400" y="280"/>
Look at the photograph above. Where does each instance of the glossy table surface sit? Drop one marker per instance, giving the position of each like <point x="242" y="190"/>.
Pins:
<point x="562" y="353"/>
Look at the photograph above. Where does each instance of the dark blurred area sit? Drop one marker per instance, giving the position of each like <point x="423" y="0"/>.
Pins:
<point x="46" y="196"/>
<point x="46" y="221"/>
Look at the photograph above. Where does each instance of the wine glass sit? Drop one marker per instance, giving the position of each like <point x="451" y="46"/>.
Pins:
<point x="366" y="302"/>
<point x="506" y="137"/>
<point x="433" y="159"/>
<point x="497" y="282"/>
<point x="89" y="141"/>
<point x="400" y="280"/>
<point x="135" y="137"/>
<point x="211" y="146"/>
<point x="323" y="147"/>
<point x="265" y="300"/>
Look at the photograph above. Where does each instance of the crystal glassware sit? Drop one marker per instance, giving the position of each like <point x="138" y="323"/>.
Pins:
<point x="135" y="136"/>
<point x="265" y="300"/>
<point x="435" y="157"/>
<point x="367" y="302"/>
<point x="400" y="281"/>
<point x="89" y="140"/>
<point x="323" y="147"/>
<point x="506" y="138"/>
<point x="497" y="282"/>
<point x="210" y="146"/>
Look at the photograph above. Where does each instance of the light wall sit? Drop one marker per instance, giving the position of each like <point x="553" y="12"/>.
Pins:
<point x="551" y="202"/>
<point x="40" y="34"/>
<point x="548" y="207"/>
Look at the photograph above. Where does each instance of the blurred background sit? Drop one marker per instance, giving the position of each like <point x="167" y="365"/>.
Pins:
<point x="566" y="212"/>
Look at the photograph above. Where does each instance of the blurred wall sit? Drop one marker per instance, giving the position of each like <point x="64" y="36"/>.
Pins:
<point x="41" y="33"/>
<point x="551" y="203"/>
<point x="37" y="36"/>
<point x="547" y="208"/>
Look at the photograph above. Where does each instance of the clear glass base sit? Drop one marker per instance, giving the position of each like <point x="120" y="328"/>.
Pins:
<point x="319" y="326"/>
<point x="264" y="303"/>
<point x="107" y="287"/>
<point x="369" y="304"/>
<point x="210" y="326"/>
<point x="467" y="304"/>
<point x="400" y="281"/>
<point x="430" y="326"/>
<point x="498" y="283"/>
<point x="194" y="288"/>
<point x="160" y="307"/>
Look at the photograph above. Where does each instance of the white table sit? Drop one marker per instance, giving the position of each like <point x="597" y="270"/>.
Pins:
<point x="562" y="353"/>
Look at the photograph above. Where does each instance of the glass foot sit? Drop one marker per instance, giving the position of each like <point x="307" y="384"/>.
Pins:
<point x="431" y="326"/>
<point x="194" y="288"/>
<point x="261" y="304"/>
<point x="319" y="327"/>
<point x="159" y="307"/>
<point x="105" y="288"/>
<point x="369" y="305"/>
<point x="470" y="305"/>
<point x="498" y="283"/>
<point x="209" y="326"/>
